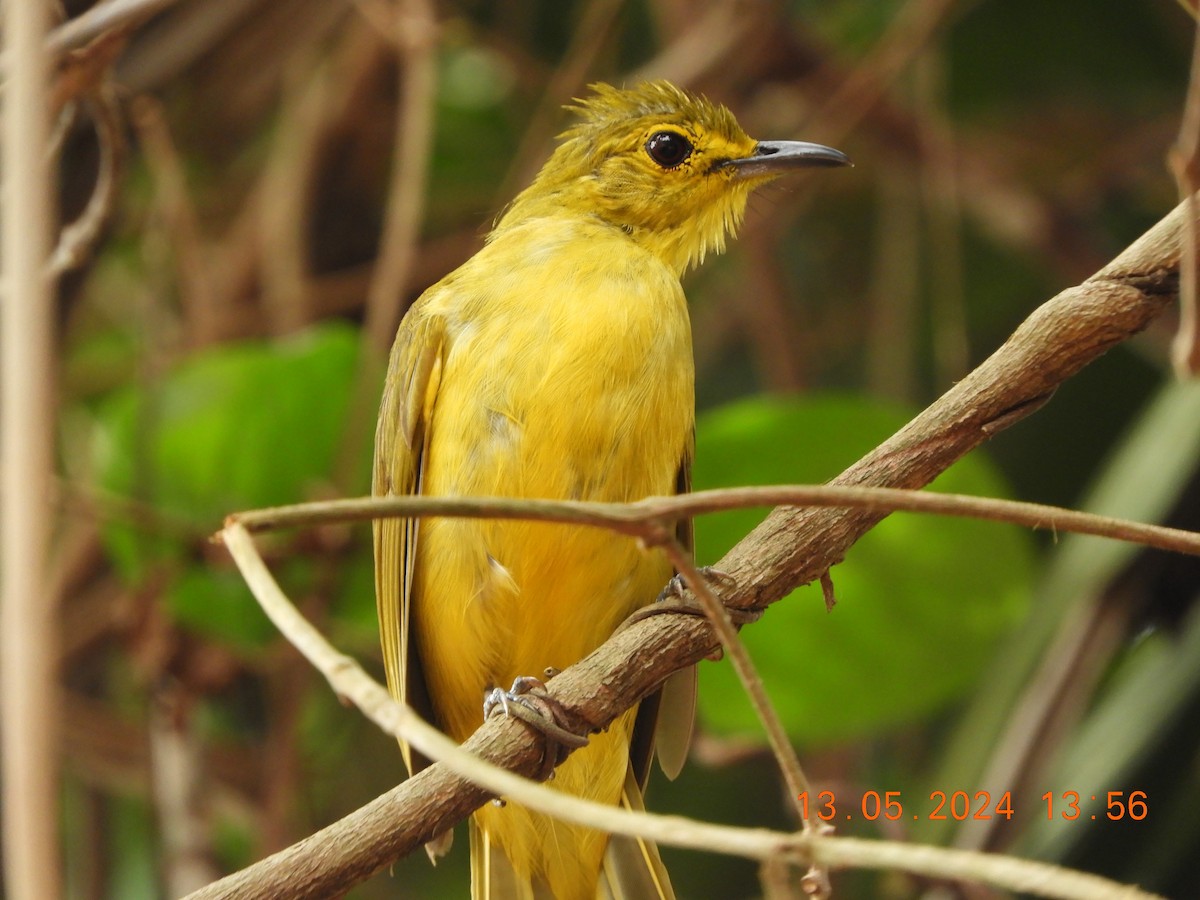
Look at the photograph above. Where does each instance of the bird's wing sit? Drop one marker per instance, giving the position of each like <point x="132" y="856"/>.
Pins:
<point x="632" y="868"/>
<point x="665" y="718"/>
<point x="401" y="439"/>
<point x="685" y="533"/>
<point x="677" y="709"/>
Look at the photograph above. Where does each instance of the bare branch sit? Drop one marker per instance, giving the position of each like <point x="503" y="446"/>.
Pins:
<point x="348" y="680"/>
<point x="78" y="239"/>
<point x="84" y="71"/>
<point x="626" y="517"/>
<point x="101" y="18"/>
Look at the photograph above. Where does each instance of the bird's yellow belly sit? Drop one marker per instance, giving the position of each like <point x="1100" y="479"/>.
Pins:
<point x="501" y="599"/>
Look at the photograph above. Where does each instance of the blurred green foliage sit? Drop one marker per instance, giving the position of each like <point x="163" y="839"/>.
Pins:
<point x="241" y="426"/>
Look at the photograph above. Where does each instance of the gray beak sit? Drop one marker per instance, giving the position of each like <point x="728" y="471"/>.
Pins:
<point x="776" y="157"/>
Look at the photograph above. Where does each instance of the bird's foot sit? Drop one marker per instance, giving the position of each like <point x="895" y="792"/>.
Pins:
<point x="677" y="587"/>
<point x="529" y="701"/>
<point x="676" y="599"/>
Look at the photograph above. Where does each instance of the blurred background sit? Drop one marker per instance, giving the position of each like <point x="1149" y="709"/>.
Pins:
<point x="287" y="176"/>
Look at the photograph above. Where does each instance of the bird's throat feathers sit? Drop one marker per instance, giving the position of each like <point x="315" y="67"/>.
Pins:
<point x="609" y="167"/>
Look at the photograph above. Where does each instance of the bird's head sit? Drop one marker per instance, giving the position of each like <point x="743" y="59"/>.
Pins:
<point x="668" y="167"/>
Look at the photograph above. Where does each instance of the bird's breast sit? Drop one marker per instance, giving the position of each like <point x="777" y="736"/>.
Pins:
<point x="573" y="379"/>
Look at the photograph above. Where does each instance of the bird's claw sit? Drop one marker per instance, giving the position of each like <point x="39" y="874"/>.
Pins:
<point x="529" y="701"/>
<point x="676" y="599"/>
<point x="716" y="579"/>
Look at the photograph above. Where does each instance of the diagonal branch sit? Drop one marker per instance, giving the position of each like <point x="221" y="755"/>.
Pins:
<point x="793" y="546"/>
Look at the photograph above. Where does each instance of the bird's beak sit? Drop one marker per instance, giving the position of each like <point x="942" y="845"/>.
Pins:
<point x="776" y="157"/>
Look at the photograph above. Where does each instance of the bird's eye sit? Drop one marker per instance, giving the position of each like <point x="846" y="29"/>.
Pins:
<point x="668" y="149"/>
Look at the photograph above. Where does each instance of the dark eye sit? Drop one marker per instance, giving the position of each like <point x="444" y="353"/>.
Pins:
<point x="668" y="149"/>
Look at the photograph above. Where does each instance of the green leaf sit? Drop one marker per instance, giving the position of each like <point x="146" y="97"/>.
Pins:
<point x="238" y="427"/>
<point x="922" y="600"/>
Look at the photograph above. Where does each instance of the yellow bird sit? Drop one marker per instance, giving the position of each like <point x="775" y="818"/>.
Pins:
<point x="557" y="363"/>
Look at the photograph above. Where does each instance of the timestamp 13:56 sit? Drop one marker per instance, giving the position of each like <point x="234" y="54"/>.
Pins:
<point x="962" y="805"/>
<point x="1117" y="805"/>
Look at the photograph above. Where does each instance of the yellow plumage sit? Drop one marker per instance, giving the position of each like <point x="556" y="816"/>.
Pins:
<point x="555" y="363"/>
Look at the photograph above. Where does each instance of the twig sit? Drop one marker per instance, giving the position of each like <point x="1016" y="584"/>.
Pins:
<point x="785" y="754"/>
<point x="776" y="879"/>
<point x="84" y="71"/>
<point x="348" y="680"/>
<point x="1058" y="339"/>
<point x="78" y="239"/>
<point x="28" y="637"/>
<point x="101" y="18"/>
<point x="627" y="517"/>
<point x="1038" y="879"/>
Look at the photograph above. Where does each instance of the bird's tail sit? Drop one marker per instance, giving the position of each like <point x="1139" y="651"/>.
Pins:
<point x="631" y="870"/>
<point x="492" y="875"/>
